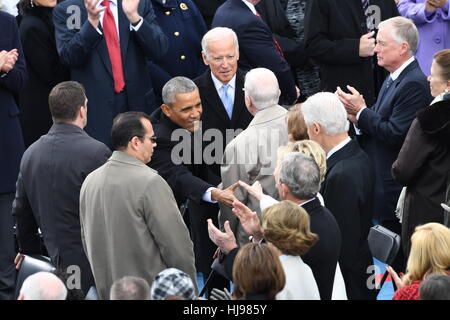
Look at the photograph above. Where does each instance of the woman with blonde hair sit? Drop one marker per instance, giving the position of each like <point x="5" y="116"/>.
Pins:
<point x="430" y="254"/>
<point x="286" y="226"/>
<point x="307" y="147"/>
<point x="257" y="273"/>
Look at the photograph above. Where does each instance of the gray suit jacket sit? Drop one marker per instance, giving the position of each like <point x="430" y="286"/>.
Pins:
<point x="131" y="224"/>
<point x="250" y="157"/>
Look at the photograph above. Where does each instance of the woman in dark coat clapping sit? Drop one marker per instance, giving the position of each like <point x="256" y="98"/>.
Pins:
<point x="423" y="164"/>
<point x="44" y="68"/>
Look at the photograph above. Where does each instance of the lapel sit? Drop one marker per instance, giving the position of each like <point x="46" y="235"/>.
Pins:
<point x="386" y="103"/>
<point x="212" y="99"/>
<point x="124" y="30"/>
<point x="347" y="151"/>
<point x="239" y="100"/>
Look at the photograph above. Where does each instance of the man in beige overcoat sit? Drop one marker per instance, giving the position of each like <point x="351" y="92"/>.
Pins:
<point x="252" y="155"/>
<point x="130" y="222"/>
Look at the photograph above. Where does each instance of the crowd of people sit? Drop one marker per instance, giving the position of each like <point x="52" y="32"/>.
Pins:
<point x="254" y="143"/>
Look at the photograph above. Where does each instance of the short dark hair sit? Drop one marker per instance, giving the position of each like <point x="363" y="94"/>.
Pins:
<point x="126" y="126"/>
<point x="65" y="101"/>
<point x="435" y="287"/>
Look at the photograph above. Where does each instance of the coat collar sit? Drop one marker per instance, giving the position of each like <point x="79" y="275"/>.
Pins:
<point x="124" y="157"/>
<point x="311" y="205"/>
<point x="435" y="120"/>
<point x="268" y="114"/>
<point x="65" y="128"/>
<point x="347" y="151"/>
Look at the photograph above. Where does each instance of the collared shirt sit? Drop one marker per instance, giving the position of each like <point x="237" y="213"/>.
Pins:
<point x="232" y="86"/>
<point x="114" y="10"/>
<point x="310" y="200"/>
<point x="251" y="6"/>
<point x="338" y="147"/>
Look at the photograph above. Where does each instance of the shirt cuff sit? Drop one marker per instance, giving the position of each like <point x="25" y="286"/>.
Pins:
<point x="359" y="113"/>
<point x="207" y="196"/>
<point x="136" y="28"/>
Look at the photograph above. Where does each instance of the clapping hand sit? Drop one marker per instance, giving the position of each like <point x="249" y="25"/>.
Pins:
<point x="8" y="59"/>
<point x="226" y="241"/>
<point x="217" y="294"/>
<point x="353" y="102"/>
<point x="130" y="7"/>
<point x="93" y="11"/>
<point x="249" y="220"/>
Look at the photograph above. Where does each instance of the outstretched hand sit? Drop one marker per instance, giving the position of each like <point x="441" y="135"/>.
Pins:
<point x="225" y="196"/>
<point x="255" y="189"/>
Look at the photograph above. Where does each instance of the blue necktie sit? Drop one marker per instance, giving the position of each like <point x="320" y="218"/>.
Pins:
<point x="383" y="94"/>
<point x="226" y="100"/>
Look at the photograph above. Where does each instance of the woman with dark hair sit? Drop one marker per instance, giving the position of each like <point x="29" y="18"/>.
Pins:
<point x="257" y="273"/>
<point x="44" y="68"/>
<point x="423" y="164"/>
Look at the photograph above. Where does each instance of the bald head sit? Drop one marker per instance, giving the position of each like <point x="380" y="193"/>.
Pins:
<point x="43" y="286"/>
<point x="261" y="88"/>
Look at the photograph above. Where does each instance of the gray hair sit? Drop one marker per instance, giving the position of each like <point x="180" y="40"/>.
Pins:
<point x="218" y="34"/>
<point x="301" y="174"/>
<point x="43" y="286"/>
<point x="326" y="109"/>
<point x="261" y="85"/>
<point x="403" y="30"/>
<point x="130" y="288"/>
<point x="175" y="86"/>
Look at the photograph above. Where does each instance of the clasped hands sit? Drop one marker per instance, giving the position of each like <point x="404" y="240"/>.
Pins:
<point x="353" y="102"/>
<point x="8" y="60"/>
<point x="129" y="7"/>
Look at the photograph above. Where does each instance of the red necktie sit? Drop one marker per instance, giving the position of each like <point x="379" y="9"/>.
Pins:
<point x="275" y="42"/>
<point x="113" y="44"/>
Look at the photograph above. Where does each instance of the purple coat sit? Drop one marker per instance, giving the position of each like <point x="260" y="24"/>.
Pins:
<point x="434" y="29"/>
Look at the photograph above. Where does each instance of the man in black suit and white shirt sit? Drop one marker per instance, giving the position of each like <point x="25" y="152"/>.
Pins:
<point x="48" y="188"/>
<point x="347" y="189"/>
<point x="221" y="87"/>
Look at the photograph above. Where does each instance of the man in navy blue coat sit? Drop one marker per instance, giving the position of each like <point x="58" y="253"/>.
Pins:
<point x="13" y="76"/>
<point x="383" y="127"/>
<point x="257" y="47"/>
<point x="82" y="45"/>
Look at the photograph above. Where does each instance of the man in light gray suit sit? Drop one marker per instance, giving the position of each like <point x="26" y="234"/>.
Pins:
<point x="252" y="155"/>
<point x="130" y="222"/>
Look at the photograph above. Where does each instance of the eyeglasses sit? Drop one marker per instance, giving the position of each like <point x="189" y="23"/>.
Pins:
<point x="152" y="138"/>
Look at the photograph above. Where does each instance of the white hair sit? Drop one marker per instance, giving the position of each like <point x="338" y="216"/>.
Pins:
<point x="403" y="30"/>
<point x="327" y="110"/>
<point x="218" y="34"/>
<point x="43" y="286"/>
<point x="261" y="85"/>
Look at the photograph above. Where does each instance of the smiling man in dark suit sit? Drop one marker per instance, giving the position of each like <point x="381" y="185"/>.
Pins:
<point x="383" y="127"/>
<point x="107" y="45"/>
<point x="257" y="47"/>
<point x="221" y="87"/>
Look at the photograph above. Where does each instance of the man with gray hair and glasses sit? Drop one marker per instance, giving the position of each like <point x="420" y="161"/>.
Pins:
<point x="347" y="189"/>
<point x="382" y="128"/>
